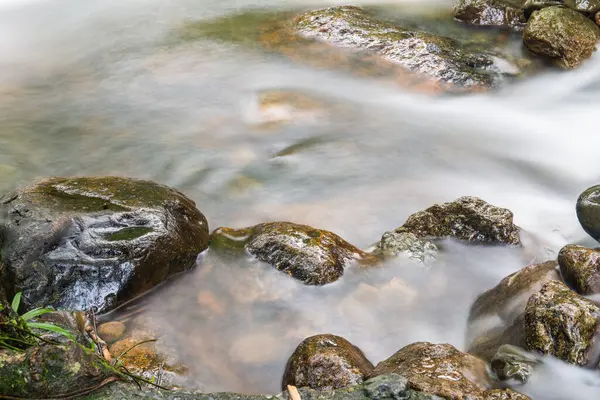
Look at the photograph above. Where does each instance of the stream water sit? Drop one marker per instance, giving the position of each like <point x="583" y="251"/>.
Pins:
<point x="97" y="88"/>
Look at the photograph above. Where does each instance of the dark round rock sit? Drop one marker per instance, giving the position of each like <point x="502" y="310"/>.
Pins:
<point x="326" y="362"/>
<point x="588" y="211"/>
<point x="77" y="243"/>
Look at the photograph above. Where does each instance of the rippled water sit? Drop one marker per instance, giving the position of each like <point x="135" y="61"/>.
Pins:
<point x="100" y="87"/>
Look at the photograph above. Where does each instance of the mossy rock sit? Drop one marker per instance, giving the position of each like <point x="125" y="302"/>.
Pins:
<point x="386" y="387"/>
<point x="467" y="218"/>
<point x="14" y="333"/>
<point x="506" y="303"/>
<point x="562" y="35"/>
<point x="441" y="58"/>
<point x="588" y="211"/>
<point x="580" y="268"/>
<point x="504" y="394"/>
<point x="313" y="256"/>
<point x="503" y="13"/>
<point x="53" y="371"/>
<point x="561" y="323"/>
<point x="326" y="362"/>
<point x="77" y="243"/>
<point x="439" y="369"/>
<point x="587" y="7"/>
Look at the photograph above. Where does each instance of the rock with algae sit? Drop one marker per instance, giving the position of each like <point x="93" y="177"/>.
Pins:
<point x="513" y="363"/>
<point x="561" y="323"/>
<point x="439" y="369"/>
<point x="53" y="371"/>
<point x="326" y="362"/>
<point x="442" y="58"/>
<point x="313" y="256"/>
<point x="507" y="13"/>
<point x="580" y="268"/>
<point x="497" y="316"/>
<point x="466" y="218"/>
<point x="396" y="243"/>
<point x="562" y="35"/>
<point x="76" y="243"/>
<point x="391" y="386"/>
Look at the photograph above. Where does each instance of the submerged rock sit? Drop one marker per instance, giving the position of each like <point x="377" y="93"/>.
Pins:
<point x="513" y="363"/>
<point x="588" y="211"/>
<point x="491" y="12"/>
<point x="497" y="316"/>
<point x="467" y="218"/>
<point x="111" y="331"/>
<point x="562" y="35"/>
<point x="313" y="256"/>
<point x="397" y="243"/>
<point x="438" y="369"/>
<point x="561" y="323"/>
<point x="441" y="58"/>
<point x="77" y="243"/>
<point x="53" y="371"/>
<point x="580" y="268"/>
<point x="326" y="362"/>
<point x="588" y="7"/>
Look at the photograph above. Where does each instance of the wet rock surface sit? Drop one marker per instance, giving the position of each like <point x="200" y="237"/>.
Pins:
<point x="326" y="362"/>
<point x="396" y="243"/>
<point x="561" y="323"/>
<point x="560" y="34"/>
<point x="438" y="369"/>
<point x="441" y="58"/>
<point x="467" y="218"/>
<point x="77" y="243"/>
<point x="504" y="394"/>
<point x="53" y="371"/>
<point x="491" y="12"/>
<point x="513" y="363"/>
<point x="497" y="316"/>
<point x="588" y="211"/>
<point x="313" y="256"/>
<point x="385" y="387"/>
<point x="580" y="268"/>
<point x="588" y="7"/>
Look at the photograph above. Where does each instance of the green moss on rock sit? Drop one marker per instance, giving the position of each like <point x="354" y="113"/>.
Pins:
<point x="562" y="35"/>
<point x="53" y="371"/>
<point x="561" y="323"/>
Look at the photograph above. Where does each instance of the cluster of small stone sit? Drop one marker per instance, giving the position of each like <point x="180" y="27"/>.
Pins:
<point x="544" y="309"/>
<point x="564" y="31"/>
<point x="94" y="243"/>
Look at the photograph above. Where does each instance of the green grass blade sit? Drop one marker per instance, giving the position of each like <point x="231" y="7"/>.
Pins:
<point x="36" y="313"/>
<point x="16" y="302"/>
<point x="51" y="328"/>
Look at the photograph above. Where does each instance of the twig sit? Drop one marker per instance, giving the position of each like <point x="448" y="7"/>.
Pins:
<point x="293" y="392"/>
<point x="101" y="344"/>
<point x="139" y="378"/>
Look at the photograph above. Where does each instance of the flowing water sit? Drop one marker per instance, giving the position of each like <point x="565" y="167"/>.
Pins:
<point x="99" y="87"/>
